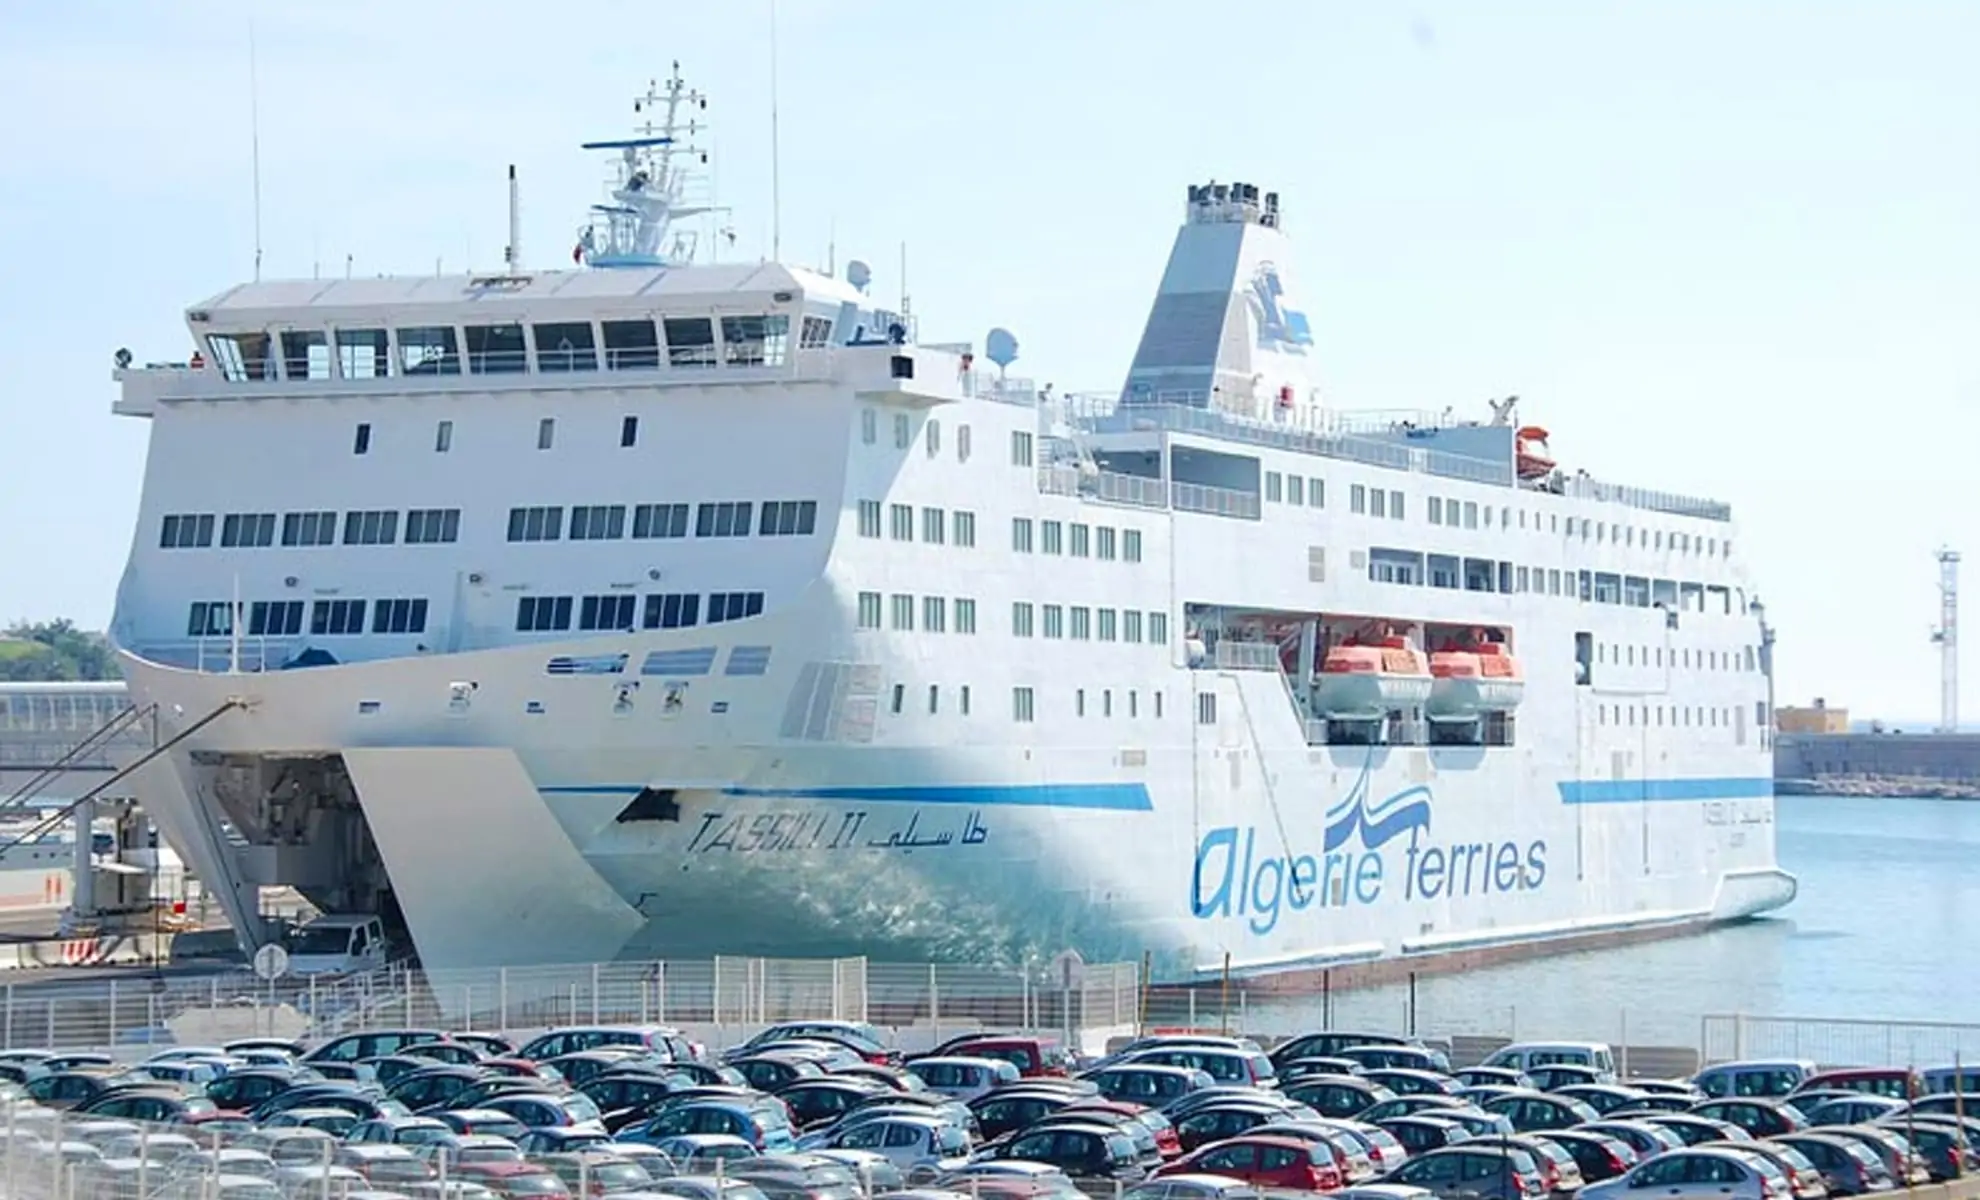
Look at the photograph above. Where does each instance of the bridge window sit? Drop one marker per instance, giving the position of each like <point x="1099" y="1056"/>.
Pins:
<point x="364" y="353"/>
<point x="429" y="350"/>
<point x="305" y="354"/>
<point x="733" y="606"/>
<point x="567" y="346"/>
<point x="660" y="521"/>
<point x="1636" y="591"/>
<point x="377" y="528"/>
<point x="309" y="528"/>
<point x="275" y="618"/>
<point x="606" y="612"/>
<point x="1130" y="625"/>
<point x="543" y="614"/>
<point x="690" y="341"/>
<point x="537" y="524"/>
<point x="787" y="518"/>
<point x="1478" y="574"/>
<point x="1158" y="635"/>
<point x="598" y="522"/>
<point x="754" y="341"/>
<point x="210" y="618"/>
<point x="399" y="616"/>
<point x="1131" y="545"/>
<point x="678" y="610"/>
<point x="815" y="333"/>
<point x="426" y="526"/>
<point x="247" y="529"/>
<point x="723" y="519"/>
<point x="331" y="617"/>
<point x="1608" y="588"/>
<point x="963" y="526"/>
<point x="629" y="345"/>
<point x="496" y="349"/>
<point x="628" y="432"/>
<point x="185" y="531"/>
<point x="243" y="356"/>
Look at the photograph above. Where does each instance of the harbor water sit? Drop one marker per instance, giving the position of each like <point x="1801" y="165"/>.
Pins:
<point x="1880" y="930"/>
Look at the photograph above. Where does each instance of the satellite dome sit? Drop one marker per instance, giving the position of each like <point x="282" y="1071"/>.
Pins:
<point x="1001" y="347"/>
<point x="859" y="274"/>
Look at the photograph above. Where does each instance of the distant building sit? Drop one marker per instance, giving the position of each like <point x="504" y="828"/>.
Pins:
<point x="1819" y="719"/>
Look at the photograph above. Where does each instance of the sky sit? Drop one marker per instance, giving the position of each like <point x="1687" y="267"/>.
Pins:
<point x="1720" y="247"/>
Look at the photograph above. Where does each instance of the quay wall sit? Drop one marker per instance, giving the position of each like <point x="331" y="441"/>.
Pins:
<point x="1878" y="764"/>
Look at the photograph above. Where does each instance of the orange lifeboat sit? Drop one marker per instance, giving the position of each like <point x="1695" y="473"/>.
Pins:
<point x="1365" y="678"/>
<point x="1530" y="456"/>
<point x="1473" y="676"/>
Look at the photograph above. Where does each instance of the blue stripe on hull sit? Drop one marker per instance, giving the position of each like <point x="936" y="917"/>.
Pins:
<point x="1133" y="797"/>
<point x="1637" y="791"/>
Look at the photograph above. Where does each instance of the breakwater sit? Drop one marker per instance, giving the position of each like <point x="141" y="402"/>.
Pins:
<point x="1932" y="765"/>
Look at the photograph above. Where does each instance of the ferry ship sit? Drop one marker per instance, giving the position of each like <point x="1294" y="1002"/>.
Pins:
<point x="653" y="607"/>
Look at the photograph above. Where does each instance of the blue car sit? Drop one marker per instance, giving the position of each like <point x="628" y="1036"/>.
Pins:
<point x="763" y="1123"/>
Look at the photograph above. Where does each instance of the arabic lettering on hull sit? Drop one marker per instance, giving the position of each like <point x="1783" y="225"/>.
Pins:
<point x="1369" y="851"/>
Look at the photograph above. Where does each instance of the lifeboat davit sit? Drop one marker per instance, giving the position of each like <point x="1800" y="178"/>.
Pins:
<point x="1473" y="677"/>
<point x="1530" y="456"/>
<point x="1365" y="679"/>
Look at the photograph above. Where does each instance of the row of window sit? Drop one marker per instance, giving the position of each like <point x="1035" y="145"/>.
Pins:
<point x="939" y="614"/>
<point x="1311" y="492"/>
<point x="938" y="526"/>
<point x="1415" y="568"/>
<point x="931" y="434"/>
<point x="1076" y="539"/>
<point x="1678" y="716"/>
<point x="607" y="522"/>
<point x="1081" y="623"/>
<point x="1099" y="702"/>
<point x="689" y="342"/>
<point x="624" y="611"/>
<point x="327" y="618"/>
<point x="1630" y="654"/>
<point x="546" y="435"/>
<point x="185" y="531"/>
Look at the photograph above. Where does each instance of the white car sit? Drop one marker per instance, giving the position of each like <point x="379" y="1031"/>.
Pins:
<point x="910" y="1142"/>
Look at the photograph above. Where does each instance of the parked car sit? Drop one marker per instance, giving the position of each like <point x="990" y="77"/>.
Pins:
<point x="1768" y="1078"/>
<point x="1267" y="1161"/>
<point x="1697" y="1174"/>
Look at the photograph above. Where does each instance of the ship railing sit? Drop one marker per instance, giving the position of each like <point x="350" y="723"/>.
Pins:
<point x="1100" y="415"/>
<point x="1587" y="488"/>
<point x="1219" y="502"/>
<point x="215" y="655"/>
<point x="1110" y="486"/>
<point x="1246" y="656"/>
<point x="993" y="385"/>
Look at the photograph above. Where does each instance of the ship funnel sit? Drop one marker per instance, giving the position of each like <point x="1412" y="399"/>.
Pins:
<point x="1227" y="331"/>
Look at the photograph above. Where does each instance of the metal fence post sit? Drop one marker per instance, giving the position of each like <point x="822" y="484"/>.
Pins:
<point x="934" y="1004"/>
<point x="1623" y="1047"/>
<point x="502" y="997"/>
<point x="50" y="1043"/>
<point x="660" y="991"/>
<point x="8" y="1041"/>
<point x="594" y="1002"/>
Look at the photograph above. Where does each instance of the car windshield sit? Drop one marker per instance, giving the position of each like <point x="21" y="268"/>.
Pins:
<point x="488" y="1154"/>
<point x="321" y="939"/>
<point x="580" y="1107"/>
<point x="534" y="1185"/>
<point x="951" y="1140"/>
<point x="626" y="1175"/>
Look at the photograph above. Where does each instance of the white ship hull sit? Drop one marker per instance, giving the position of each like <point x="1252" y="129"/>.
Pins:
<point x="995" y="675"/>
<point x="497" y="824"/>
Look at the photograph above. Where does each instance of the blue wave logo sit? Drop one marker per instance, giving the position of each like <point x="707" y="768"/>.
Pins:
<point x="1279" y="324"/>
<point x="1408" y="811"/>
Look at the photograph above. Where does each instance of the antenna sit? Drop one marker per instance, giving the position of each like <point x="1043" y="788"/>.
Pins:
<point x="513" y="255"/>
<point x="776" y="193"/>
<point x="1946" y="637"/>
<point x="254" y="143"/>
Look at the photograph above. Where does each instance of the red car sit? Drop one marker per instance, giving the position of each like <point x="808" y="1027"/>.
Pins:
<point x="1033" y="1057"/>
<point x="1264" y="1161"/>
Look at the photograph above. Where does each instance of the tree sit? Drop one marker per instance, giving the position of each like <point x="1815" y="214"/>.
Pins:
<point x="40" y="651"/>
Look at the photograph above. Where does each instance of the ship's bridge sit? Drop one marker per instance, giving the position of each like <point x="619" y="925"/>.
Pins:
<point x="479" y="332"/>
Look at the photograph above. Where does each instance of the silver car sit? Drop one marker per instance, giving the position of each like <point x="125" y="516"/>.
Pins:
<point x="1696" y="1174"/>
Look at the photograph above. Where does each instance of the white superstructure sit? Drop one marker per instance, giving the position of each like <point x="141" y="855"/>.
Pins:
<point x="655" y="608"/>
